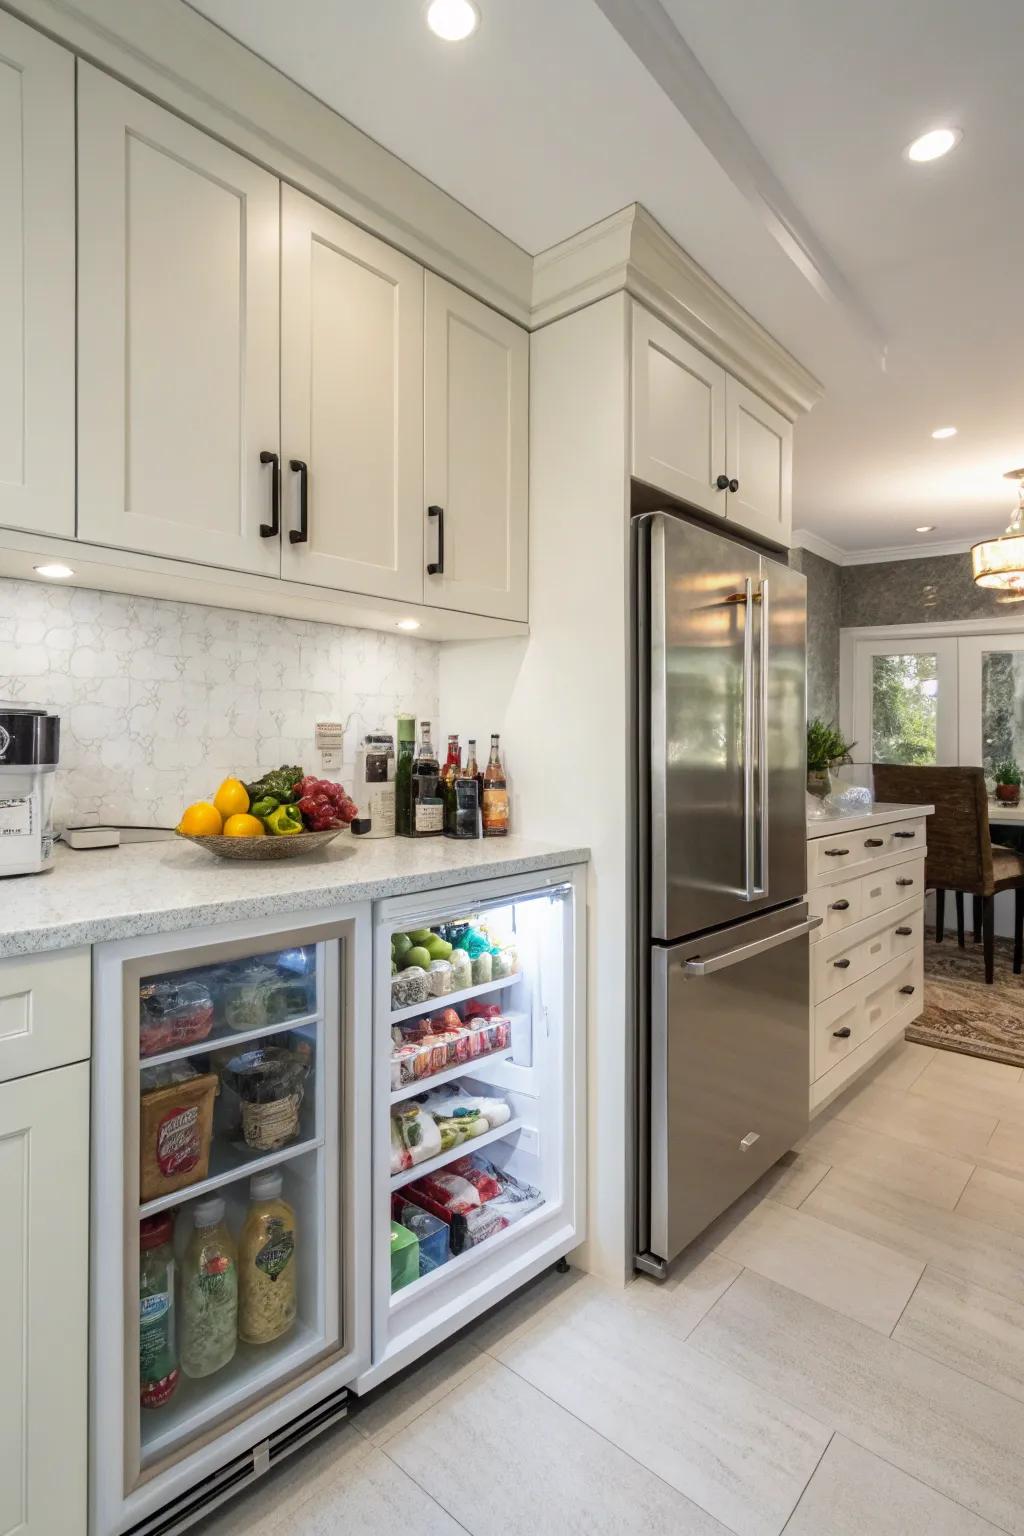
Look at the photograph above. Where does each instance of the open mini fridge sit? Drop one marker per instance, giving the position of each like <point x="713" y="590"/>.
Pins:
<point x="219" y="1055"/>
<point x="479" y="1123"/>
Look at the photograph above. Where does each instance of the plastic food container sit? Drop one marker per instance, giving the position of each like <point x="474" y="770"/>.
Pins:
<point x="175" y="1127"/>
<point x="405" y="1256"/>
<point x="503" y="963"/>
<point x="269" y="1081"/>
<point x="409" y="987"/>
<point x="462" y="970"/>
<point x="482" y="972"/>
<point x="242" y="992"/>
<point x="441" y="978"/>
<point x="172" y="1013"/>
<point x="431" y="1233"/>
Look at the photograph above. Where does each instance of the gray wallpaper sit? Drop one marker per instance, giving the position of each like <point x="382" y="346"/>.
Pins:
<point x="933" y="589"/>
<point x="823" y="620"/>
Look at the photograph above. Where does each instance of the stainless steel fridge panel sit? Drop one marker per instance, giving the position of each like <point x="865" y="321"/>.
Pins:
<point x="783" y="815"/>
<point x="730" y="1018"/>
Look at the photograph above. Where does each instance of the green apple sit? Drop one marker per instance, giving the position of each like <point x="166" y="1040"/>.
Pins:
<point x="421" y="936"/>
<point x="417" y="956"/>
<point x="438" y="948"/>
<point x="400" y="945"/>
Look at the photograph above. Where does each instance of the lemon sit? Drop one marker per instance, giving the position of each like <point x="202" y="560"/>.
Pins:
<point x="201" y="820"/>
<point x="241" y="825"/>
<point x="231" y="799"/>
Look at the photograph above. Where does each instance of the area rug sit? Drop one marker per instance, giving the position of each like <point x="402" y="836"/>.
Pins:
<point x="961" y="1013"/>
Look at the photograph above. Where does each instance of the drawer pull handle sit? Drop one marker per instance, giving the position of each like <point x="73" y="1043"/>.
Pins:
<point x="840" y="906"/>
<point x="904" y="882"/>
<point x="842" y="1034"/>
<point x="904" y="834"/>
<point x="904" y="933"/>
<point x="841" y="965"/>
<point x="907" y="990"/>
<point x="874" y="842"/>
<point x="748" y="1140"/>
<point x="836" y="853"/>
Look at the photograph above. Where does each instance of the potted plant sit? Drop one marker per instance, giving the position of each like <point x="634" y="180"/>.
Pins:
<point x="826" y="749"/>
<point x="1007" y="776"/>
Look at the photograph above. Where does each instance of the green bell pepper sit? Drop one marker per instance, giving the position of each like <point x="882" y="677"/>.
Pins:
<point x="264" y="806"/>
<point x="285" y="821"/>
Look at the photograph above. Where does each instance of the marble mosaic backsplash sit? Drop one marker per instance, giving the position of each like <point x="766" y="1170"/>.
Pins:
<point x="159" y="701"/>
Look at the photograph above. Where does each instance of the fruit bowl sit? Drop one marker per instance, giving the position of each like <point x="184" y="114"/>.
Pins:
<point x="264" y="848"/>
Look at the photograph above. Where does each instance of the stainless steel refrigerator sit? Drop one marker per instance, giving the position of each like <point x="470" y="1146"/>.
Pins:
<point x="723" y="975"/>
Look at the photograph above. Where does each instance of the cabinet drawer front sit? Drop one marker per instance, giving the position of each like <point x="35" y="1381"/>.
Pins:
<point x="837" y="966"/>
<point x="838" y="906"/>
<point x="889" y="887"/>
<point x="829" y="858"/>
<point x="45" y="1011"/>
<point x="846" y="1020"/>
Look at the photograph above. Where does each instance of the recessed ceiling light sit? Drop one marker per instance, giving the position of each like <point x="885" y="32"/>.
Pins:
<point x="408" y="623"/>
<point x="452" y="20"/>
<point x="925" y="528"/>
<point x="933" y="145"/>
<point x="944" y="432"/>
<point x="55" y="571"/>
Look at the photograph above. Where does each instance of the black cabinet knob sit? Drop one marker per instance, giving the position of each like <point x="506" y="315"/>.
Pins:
<point x="841" y="965"/>
<point x="842" y="1034"/>
<point x="907" y="990"/>
<point x="734" y="486"/>
<point x="722" y="483"/>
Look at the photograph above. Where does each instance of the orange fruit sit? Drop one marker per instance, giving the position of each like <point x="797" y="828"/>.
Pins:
<point x="201" y="820"/>
<point x="232" y="798"/>
<point x="243" y="826"/>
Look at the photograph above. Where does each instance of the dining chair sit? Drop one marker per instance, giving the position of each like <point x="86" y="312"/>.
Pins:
<point x="961" y="854"/>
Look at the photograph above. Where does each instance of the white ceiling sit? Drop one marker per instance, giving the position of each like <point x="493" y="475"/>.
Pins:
<point x="546" y="121"/>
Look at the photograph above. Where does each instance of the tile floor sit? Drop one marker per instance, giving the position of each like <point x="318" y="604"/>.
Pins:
<point x="842" y="1354"/>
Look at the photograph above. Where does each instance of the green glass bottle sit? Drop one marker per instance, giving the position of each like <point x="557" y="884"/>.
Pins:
<point x="405" y="738"/>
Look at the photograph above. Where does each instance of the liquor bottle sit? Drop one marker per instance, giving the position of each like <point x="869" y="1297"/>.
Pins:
<point x="449" y="773"/>
<point x="464" y="819"/>
<point x="427" y="789"/>
<point x="405" y="732"/>
<point x="495" y="795"/>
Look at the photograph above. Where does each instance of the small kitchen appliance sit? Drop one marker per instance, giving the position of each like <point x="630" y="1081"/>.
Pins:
<point x="29" y="753"/>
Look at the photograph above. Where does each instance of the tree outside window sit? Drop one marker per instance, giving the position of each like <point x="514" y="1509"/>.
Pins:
<point x="904" y="708"/>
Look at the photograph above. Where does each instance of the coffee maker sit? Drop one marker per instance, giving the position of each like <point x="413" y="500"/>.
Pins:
<point x="29" y="753"/>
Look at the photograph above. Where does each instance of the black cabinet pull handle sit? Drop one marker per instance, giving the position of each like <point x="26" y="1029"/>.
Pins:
<point x="836" y="853"/>
<point x="874" y="842"/>
<point x="907" y="990"/>
<point x="844" y="1033"/>
<point x="904" y="834"/>
<point x="841" y="965"/>
<point x="904" y="882"/>
<point x="734" y="486"/>
<point x="273" y="528"/>
<point x="904" y="933"/>
<point x="722" y="483"/>
<point x="300" y="535"/>
<point x="840" y="906"/>
<point x="436" y="567"/>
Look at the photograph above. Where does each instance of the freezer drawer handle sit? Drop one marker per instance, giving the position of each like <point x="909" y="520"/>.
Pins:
<point x="748" y="1140"/>
<point x="904" y="834"/>
<point x="907" y="990"/>
<point x="698" y="967"/>
<point x="904" y="933"/>
<point x="836" y="853"/>
<point x="874" y="842"/>
<point x="840" y="906"/>
<point x="844" y="1033"/>
<point x="841" y="965"/>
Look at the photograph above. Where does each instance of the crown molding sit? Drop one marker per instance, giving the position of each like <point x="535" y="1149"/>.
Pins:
<point x="630" y="250"/>
<point x="803" y="538"/>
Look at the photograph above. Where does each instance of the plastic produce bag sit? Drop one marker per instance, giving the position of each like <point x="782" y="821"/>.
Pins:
<point x="414" y="1136"/>
<point x="453" y="1098"/>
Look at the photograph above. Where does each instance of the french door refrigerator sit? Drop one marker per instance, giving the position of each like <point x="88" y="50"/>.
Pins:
<point x="723" y="976"/>
<point x="230" y="1301"/>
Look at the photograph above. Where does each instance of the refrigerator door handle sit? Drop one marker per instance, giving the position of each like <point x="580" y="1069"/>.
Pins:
<point x="749" y="890"/>
<point x="761" y="889"/>
<point x="743" y="952"/>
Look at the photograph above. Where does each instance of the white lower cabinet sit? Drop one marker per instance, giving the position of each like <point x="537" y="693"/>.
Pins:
<point x="44" y="1302"/>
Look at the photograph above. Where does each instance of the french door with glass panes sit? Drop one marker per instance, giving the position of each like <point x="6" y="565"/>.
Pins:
<point x="991" y="714"/>
<point x="904" y="704"/>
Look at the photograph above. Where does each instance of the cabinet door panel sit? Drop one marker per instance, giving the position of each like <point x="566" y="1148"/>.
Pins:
<point x="37" y="282"/>
<point x="759" y="454"/>
<point x="476" y="453"/>
<point x="678" y="415"/>
<point x="351" y="404"/>
<point x="44" y="1321"/>
<point x="179" y="243"/>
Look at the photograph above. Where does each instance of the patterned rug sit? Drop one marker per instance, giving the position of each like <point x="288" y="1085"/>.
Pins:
<point x="961" y="1013"/>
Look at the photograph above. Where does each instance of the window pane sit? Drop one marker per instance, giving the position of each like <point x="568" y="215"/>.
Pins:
<point x="1002" y="707"/>
<point x="904" y="699"/>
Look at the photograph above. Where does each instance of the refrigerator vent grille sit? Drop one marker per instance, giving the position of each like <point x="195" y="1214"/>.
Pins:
<point x="183" y="1512"/>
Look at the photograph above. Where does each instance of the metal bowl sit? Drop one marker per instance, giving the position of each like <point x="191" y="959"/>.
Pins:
<point x="264" y="848"/>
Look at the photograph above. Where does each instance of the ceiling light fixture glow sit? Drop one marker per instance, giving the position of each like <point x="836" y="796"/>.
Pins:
<point x="452" y="20"/>
<point x="1000" y="562"/>
<point x="408" y="624"/>
<point x="55" y="571"/>
<point x="944" y="432"/>
<point x="933" y="145"/>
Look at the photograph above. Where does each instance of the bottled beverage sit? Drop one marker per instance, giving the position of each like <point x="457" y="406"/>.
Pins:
<point x="375" y="782"/>
<point x="464" y="819"/>
<point x="495" y="796"/>
<point x="449" y="773"/>
<point x="209" y="1292"/>
<point x="405" y="732"/>
<point x="266" y="1263"/>
<point x="158" y="1353"/>
<point x="427" y="789"/>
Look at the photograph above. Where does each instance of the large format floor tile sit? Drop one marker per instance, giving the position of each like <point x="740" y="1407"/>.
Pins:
<point x="968" y="1327"/>
<point x="997" y="1198"/>
<point x="902" y="1066"/>
<point x="854" y="1493"/>
<point x="694" y="1284"/>
<point x="856" y="1275"/>
<point x="971" y="1249"/>
<point x="505" y="1460"/>
<point x="983" y="1095"/>
<point x="917" y="1171"/>
<point x="954" y="1434"/>
<point x="960" y="1133"/>
<point x="1005" y="1149"/>
<point x="384" y="1412"/>
<point x="972" y="1069"/>
<point x="740" y="1453"/>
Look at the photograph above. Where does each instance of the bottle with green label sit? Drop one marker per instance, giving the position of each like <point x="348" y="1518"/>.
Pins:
<point x="266" y="1263"/>
<point x="158" y="1354"/>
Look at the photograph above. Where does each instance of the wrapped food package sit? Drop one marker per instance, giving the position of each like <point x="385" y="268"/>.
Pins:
<point x="416" y="1132"/>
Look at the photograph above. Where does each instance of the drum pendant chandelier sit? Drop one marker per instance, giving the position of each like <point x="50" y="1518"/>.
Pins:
<point x="1000" y="562"/>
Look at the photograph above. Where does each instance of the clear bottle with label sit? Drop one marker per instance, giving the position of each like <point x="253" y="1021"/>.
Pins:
<point x="267" y="1263"/>
<point x="158" y="1352"/>
<point x="405" y="735"/>
<point x="427" y="790"/>
<point x="375" y="782"/>
<point x="495" y="795"/>
<point x="449" y="773"/>
<point x="209" y="1292"/>
<point x="463" y="819"/>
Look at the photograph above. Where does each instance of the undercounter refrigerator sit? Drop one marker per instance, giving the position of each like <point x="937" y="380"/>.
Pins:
<point x="230" y="1296"/>
<point x="722" y="978"/>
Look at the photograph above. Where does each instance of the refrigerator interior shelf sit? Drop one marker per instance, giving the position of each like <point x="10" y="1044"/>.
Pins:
<point x="419" y="1009"/>
<point x="471" y="1068"/>
<point x="255" y="1368"/>
<point x="463" y="1261"/>
<point x="230" y="1163"/>
<point x="500" y="1133"/>
<point x="230" y="1037"/>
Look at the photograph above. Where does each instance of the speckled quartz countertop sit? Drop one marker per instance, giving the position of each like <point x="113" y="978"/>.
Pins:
<point x="117" y="893"/>
<point x="878" y="816"/>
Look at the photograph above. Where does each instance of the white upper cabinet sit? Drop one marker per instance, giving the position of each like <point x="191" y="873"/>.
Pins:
<point x="37" y="282"/>
<point x="678" y="415"/>
<point x="759" y="460"/>
<point x="476" y="455"/>
<point x="178" y="319"/>
<point x="351" y="406"/>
